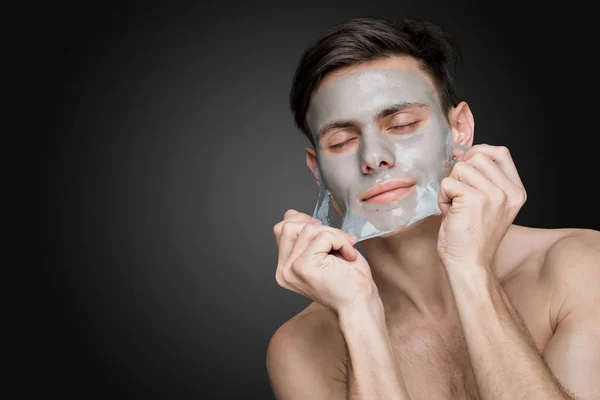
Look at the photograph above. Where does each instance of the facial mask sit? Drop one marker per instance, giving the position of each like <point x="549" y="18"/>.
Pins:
<point x="392" y="137"/>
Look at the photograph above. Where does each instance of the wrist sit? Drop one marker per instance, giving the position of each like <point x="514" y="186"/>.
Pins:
<point x="365" y="310"/>
<point x="469" y="271"/>
<point x="475" y="289"/>
<point x="375" y="369"/>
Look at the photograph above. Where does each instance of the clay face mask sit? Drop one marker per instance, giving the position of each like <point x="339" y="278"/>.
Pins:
<point x="383" y="146"/>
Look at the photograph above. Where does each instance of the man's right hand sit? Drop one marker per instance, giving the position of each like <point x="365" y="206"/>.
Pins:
<point x="321" y="263"/>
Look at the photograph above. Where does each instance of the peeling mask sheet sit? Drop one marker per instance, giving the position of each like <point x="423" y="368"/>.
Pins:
<point x="379" y="131"/>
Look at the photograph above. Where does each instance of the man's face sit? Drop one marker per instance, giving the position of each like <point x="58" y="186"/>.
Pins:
<point x="379" y="122"/>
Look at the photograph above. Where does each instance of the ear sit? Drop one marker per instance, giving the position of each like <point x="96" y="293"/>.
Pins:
<point x="311" y="161"/>
<point x="463" y="124"/>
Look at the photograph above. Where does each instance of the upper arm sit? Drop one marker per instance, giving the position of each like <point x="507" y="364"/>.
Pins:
<point x="573" y="352"/>
<point x="300" y="366"/>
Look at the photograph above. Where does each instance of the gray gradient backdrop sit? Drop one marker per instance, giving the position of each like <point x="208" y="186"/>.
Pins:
<point x="164" y="153"/>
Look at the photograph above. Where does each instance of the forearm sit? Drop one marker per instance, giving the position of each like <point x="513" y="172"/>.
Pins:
<point x="373" y="372"/>
<point x="505" y="360"/>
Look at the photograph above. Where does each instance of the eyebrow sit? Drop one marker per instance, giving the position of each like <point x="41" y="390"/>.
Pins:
<point x="396" y="108"/>
<point x="385" y="112"/>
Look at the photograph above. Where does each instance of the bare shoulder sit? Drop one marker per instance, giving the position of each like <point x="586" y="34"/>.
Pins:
<point x="564" y="264"/>
<point x="571" y="268"/>
<point x="547" y="273"/>
<point x="571" y="271"/>
<point x="576" y="252"/>
<point x="529" y="250"/>
<point x="306" y="356"/>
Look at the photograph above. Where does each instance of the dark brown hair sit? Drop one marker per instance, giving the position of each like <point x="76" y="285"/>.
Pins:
<point x="365" y="39"/>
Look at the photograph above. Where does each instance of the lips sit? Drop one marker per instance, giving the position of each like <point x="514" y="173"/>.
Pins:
<point x="391" y="190"/>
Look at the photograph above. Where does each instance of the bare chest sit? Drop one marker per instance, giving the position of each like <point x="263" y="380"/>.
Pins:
<point x="435" y="366"/>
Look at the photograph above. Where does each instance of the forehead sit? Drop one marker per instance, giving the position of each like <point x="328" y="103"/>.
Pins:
<point x="358" y="92"/>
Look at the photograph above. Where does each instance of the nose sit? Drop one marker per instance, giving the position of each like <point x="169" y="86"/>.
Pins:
<point x="376" y="156"/>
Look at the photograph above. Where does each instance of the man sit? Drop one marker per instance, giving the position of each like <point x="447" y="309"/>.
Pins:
<point x="459" y="305"/>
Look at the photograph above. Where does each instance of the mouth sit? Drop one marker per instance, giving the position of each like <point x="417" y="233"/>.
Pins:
<point x="389" y="191"/>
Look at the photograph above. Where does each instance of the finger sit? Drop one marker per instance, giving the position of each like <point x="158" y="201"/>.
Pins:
<point x="326" y="242"/>
<point x="301" y="260"/>
<point x="501" y="156"/>
<point x="490" y="170"/>
<point x="309" y="232"/>
<point x="284" y="275"/>
<point x="291" y="232"/>
<point x="289" y="213"/>
<point x="516" y="195"/>
<point x="466" y="173"/>
<point x="353" y="239"/>
<point x="295" y="273"/>
<point x="303" y="239"/>
<point x="295" y="216"/>
<point x="292" y="217"/>
<point x="290" y="282"/>
<point x="455" y="194"/>
<point x="288" y="236"/>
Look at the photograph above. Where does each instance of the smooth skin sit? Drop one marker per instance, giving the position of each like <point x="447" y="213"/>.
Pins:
<point x="462" y="305"/>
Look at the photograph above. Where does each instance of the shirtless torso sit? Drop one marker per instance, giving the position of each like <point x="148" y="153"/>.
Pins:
<point x="432" y="355"/>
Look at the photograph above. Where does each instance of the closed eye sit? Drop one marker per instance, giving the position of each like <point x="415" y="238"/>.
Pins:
<point x="342" y="145"/>
<point x="404" y="127"/>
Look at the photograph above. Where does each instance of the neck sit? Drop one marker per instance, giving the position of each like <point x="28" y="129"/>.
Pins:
<point x="408" y="272"/>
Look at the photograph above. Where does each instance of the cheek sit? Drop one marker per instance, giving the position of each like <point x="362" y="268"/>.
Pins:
<point x="339" y="173"/>
<point x="426" y="156"/>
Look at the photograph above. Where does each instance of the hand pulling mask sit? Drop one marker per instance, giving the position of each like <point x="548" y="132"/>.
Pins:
<point x="383" y="145"/>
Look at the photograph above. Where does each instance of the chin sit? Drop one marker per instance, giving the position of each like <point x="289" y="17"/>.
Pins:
<point x="412" y="226"/>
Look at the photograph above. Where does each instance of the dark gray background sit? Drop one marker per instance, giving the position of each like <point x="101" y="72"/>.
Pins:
<point x="164" y="152"/>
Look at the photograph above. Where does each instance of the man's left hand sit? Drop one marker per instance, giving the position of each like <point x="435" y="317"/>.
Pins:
<point x="479" y="201"/>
